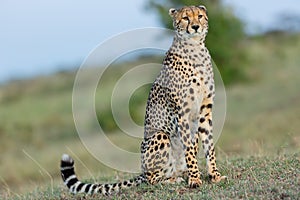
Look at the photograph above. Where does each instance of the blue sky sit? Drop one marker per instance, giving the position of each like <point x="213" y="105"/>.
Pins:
<point x="41" y="37"/>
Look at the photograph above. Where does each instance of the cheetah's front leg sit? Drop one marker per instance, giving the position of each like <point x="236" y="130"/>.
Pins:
<point x="190" y="142"/>
<point x="206" y="135"/>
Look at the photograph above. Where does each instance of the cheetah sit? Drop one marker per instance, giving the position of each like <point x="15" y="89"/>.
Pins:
<point x="178" y="114"/>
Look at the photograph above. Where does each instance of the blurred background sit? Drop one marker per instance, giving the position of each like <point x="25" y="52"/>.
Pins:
<point x="255" y="45"/>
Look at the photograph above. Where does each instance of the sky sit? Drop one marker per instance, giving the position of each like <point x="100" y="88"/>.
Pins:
<point x="260" y="15"/>
<point x="42" y="37"/>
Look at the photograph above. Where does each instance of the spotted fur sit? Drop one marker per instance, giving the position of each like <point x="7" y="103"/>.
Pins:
<point x="178" y="114"/>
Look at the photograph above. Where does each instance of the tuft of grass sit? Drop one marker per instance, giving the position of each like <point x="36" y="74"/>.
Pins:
<point x="253" y="177"/>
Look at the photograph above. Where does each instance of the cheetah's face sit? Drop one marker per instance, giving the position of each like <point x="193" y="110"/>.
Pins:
<point x="191" y="21"/>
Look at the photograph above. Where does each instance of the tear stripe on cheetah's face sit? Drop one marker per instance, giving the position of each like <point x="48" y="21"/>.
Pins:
<point x="190" y="21"/>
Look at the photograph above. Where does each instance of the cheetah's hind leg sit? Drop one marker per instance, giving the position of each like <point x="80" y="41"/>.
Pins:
<point x="156" y="155"/>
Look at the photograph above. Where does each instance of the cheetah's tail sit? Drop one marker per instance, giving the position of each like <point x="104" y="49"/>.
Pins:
<point x="76" y="186"/>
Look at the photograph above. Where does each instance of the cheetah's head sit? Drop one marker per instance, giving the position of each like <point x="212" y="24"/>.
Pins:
<point x="190" y="21"/>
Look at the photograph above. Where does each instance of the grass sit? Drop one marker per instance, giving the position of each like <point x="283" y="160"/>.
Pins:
<point x="274" y="177"/>
<point x="264" y="113"/>
<point x="262" y="120"/>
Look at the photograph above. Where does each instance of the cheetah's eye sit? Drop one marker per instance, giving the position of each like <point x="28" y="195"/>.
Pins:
<point x="185" y="18"/>
<point x="200" y="16"/>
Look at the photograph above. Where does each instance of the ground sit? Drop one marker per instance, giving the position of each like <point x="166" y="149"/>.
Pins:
<point x="271" y="177"/>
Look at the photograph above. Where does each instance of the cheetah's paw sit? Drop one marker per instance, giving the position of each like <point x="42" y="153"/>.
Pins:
<point x="216" y="178"/>
<point x="194" y="183"/>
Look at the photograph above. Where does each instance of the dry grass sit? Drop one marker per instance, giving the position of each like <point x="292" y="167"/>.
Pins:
<point x="275" y="177"/>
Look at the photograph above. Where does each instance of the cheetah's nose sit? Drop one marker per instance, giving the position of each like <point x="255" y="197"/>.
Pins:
<point x="195" y="27"/>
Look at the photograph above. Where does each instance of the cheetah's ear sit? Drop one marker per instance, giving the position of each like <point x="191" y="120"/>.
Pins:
<point x="202" y="7"/>
<point x="172" y="12"/>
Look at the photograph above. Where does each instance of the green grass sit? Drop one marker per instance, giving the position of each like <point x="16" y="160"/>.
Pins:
<point x="271" y="177"/>
<point x="262" y="120"/>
